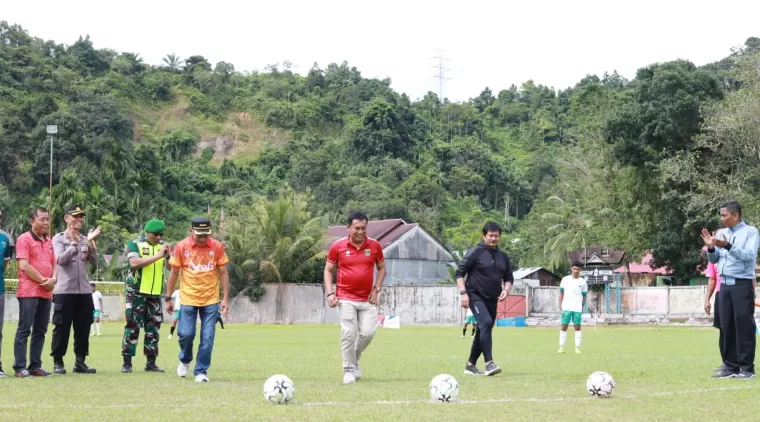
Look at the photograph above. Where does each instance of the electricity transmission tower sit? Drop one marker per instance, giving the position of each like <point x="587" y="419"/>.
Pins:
<point x="441" y="73"/>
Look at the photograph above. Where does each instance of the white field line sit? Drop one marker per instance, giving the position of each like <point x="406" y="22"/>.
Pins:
<point x="164" y="405"/>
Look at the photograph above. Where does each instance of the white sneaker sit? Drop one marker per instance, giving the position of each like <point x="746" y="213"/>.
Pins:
<point x="349" y="378"/>
<point x="201" y="378"/>
<point x="183" y="369"/>
<point x="170" y="337"/>
<point x="357" y="372"/>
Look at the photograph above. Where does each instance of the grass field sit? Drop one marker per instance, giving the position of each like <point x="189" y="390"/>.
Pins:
<point x="661" y="374"/>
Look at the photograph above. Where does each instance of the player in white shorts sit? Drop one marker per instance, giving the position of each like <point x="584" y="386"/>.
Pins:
<point x="97" y="303"/>
<point x="572" y="298"/>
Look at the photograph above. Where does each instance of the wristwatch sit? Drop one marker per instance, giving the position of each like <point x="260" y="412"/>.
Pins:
<point x="463" y="292"/>
<point x="167" y="298"/>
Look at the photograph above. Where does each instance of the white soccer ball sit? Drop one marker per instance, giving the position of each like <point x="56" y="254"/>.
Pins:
<point x="279" y="389"/>
<point x="600" y="384"/>
<point x="444" y="388"/>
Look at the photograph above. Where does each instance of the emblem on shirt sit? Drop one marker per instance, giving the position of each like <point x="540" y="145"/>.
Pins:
<point x="210" y="253"/>
<point x="366" y="252"/>
<point x="146" y="251"/>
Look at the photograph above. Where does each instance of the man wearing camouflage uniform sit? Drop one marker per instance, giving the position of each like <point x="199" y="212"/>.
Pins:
<point x="144" y="287"/>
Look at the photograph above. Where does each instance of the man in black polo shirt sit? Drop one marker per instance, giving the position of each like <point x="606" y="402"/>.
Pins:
<point x="489" y="278"/>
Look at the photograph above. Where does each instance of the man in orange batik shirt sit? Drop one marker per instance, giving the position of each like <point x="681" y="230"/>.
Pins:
<point x="202" y="262"/>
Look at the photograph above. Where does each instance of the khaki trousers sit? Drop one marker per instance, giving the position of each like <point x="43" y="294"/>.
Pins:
<point x="358" y="323"/>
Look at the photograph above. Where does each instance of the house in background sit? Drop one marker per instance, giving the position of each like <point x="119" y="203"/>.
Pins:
<point x="598" y="263"/>
<point x="536" y="276"/>
<point x="412" y="255"/>
<point x="642" y="274"/>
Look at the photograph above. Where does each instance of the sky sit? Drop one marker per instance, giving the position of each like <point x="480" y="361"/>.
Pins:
<point x="485" y="43"/>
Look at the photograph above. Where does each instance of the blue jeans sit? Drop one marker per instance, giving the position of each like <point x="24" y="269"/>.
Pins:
<point x="186" y="333"/>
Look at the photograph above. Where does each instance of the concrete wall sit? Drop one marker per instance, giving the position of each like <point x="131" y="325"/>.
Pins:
<point x="306" y="304"/>
<point x="672" y="302"/>
<point x="436" y="305"/>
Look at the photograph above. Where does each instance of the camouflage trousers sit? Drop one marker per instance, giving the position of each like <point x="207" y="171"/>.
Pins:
<point x="142" y="312"/>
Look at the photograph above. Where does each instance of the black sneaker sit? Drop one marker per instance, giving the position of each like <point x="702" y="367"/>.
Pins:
<point x="127" y="367"/>
<point x="59" y="369"/>
<point x="492" y="369"/>
<point x="2" y="374"/>
<point x="725" y="374"/>
<point x="722" y="368"/>
<point x="39" y="372"/>
<point x="81" y="368"/>
<point x="152" y="367"/>
<point x="23" y="374"/>
<point x="745" y="375"/>
<point x="472" y="370"/>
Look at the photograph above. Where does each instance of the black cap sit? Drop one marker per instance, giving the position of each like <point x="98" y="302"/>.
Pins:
<point x="74" y="210"/>
<point x="201" y="225"/>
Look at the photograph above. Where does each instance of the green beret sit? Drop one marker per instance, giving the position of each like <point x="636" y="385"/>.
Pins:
<point x="154" y="226"/>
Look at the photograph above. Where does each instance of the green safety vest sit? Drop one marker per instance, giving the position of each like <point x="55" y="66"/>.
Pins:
<point x="151" y="276"/>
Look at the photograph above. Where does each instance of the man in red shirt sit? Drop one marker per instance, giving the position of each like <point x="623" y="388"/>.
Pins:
<point x="356" y="257"/>
<point x="34" y="251"/>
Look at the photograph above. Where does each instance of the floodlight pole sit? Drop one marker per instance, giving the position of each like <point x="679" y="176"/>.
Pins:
<point x="51" y="130"/>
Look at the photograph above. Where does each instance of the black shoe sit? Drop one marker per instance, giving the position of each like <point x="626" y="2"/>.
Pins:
<point x="725" y="374"/>
<point x="127" y="367"/>
<point x="472" y="370"/>
<point x="81" y="368"/>
<point x="151" y="366"/>
<point x="59" y="369"/>
<point x="722" y="368"/>
<point x="745" y="375"/>
<point x="492" y="369"/>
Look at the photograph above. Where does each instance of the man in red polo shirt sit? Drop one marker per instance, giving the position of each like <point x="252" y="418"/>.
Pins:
<point x="34" y="251"/>
<point x="356" y="257"/>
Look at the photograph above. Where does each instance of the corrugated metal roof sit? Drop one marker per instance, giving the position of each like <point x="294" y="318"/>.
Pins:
<point x="521" y="273"/>
<point x="384" y="231"/>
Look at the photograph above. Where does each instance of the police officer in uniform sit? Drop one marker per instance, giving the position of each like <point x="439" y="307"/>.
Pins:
<point x="144" y="287"/>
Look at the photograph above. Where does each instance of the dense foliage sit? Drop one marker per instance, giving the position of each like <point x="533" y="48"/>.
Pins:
<point x="639" y="164"/>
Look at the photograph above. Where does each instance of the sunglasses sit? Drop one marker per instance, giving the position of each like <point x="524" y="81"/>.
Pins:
<point x="158" y="234"/>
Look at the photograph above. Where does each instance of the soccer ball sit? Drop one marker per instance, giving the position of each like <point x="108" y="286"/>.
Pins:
<point x="279" y="389"/>
<point x="444" y="388"/>
<point x="600" y="384"/>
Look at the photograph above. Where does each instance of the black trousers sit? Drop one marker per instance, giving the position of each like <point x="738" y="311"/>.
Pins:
<point x="485" y="314"/>
<point x="737" y="325"/>
<point x="33" y="318"/>
<point x="716" y="324"/>
<point x="71" y="310"/>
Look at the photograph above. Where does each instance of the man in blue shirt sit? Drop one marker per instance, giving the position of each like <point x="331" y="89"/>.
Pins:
<point x="6" y="252"/>
<point x="734" y="251"/>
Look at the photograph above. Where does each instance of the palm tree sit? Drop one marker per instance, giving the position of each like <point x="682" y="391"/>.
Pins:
<point x="279" y="235"/>
<point x="118" y="164"/>
<point x="173" y="62"/>
<point x="568" y="229"/>
<point x="278" y="240"/>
